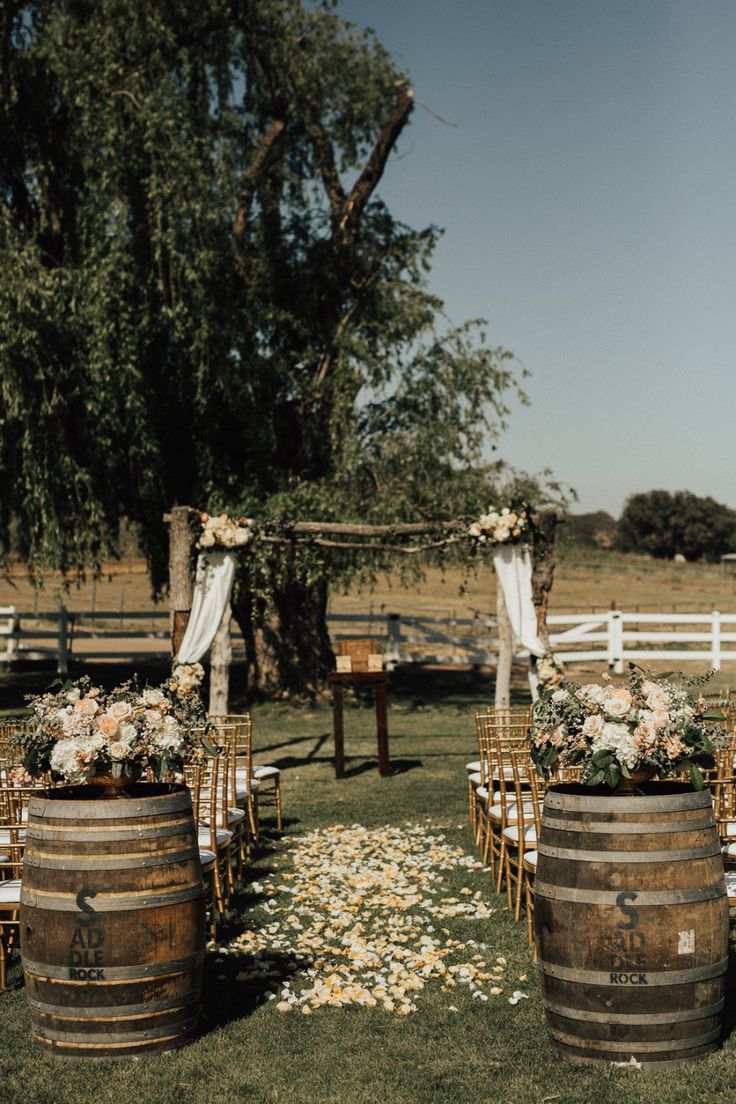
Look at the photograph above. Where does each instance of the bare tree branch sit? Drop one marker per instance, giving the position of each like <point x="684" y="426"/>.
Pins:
<point x="261" y="158"/>
<point x="366" y="183"/>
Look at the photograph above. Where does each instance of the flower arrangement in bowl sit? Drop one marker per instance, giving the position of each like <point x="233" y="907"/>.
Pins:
<point x="222" y="531"/>
<point x="81" y="735"/>
<point x="620" y="735"/>
<point x="509" y="525"/>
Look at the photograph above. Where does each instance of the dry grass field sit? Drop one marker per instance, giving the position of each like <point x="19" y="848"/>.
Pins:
<point x="586" y="581"/>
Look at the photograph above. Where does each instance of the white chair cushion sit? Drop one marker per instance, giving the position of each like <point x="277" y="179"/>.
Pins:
<point x="728" y="829"/>
<point x="482" y="793"/>
<point x="235" y="816"/>
<point x="730" y="886"/>
<point x="475" y="779"/>
<point x="473" y="767"/>
<point x="266" y="772"/>
<point x="223" y="837"/>
<point x="207" y="858"/>
<point x="10" y="892"/>
<point x="496" y="810"/>
<point x="18" y="835"/>
<point x="530" y="859"/>
<point x="729" y="849"/>
<point x="511" y="834"/>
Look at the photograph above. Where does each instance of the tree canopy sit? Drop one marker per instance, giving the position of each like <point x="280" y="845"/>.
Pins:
<point x="665" y="525"/>
<point x="203" y="298"/>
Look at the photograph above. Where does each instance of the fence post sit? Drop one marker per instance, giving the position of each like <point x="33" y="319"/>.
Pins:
<point x="62" y="664"/>
<point x="615" y="643"/>
<point x="14" y="625"/>
<point x="392" y="655"/>
<point x="715" y="646"/>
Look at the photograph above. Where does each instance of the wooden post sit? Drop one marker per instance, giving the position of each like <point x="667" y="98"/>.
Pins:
<point x="505" y="650"/>
<point x="221" y="654"/>
<point x="544" y="529"/>
<point x="62" y="654"/>
<point x="181" y="583"/>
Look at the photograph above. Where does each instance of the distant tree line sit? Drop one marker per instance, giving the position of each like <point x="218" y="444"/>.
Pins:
<point x="662" y="524"/>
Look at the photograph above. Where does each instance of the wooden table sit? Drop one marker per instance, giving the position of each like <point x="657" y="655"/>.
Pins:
<point x="377" y="679"/>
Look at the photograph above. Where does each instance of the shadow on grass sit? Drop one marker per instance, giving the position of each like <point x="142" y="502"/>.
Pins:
<point x="234" y="985"/>
<point x="398" y="766"/>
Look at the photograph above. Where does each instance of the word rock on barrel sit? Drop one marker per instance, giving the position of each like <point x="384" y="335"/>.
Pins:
<point x="112" y="921"/>
<point x="631" y="924"/>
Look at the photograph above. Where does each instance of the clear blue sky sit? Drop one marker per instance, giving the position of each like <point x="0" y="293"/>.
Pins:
<point x="588" y="197"/>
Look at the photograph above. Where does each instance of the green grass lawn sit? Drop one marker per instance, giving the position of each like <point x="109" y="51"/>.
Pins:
<point x="248" y="1051"/>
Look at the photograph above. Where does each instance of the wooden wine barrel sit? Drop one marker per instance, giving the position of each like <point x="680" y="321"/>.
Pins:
<point x="112" y="921"/>
<point x="631" y="924"/>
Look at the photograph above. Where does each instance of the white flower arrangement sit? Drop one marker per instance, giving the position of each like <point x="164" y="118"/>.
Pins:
<point x="79" y="732"/>
<point x="222" y="531"/>
<point x="653" y="725"/>
<point x="505" y="526"/>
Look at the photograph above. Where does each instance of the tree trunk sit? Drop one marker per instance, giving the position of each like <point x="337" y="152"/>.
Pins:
<point x="287" y="645"/>
<point x="505" y="651"/>
<point x="221" y="655"/>
<point x="181" y="583"/>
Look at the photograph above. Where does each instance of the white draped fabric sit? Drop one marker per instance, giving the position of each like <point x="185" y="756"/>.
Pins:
<point x="513" y="564"/>
<point x="212" y="587"/>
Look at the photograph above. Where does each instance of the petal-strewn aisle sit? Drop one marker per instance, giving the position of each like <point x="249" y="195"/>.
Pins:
<point x="361" y="910"/>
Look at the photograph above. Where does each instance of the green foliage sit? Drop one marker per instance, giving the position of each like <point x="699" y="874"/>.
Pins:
<point x="664" y="525"/>
<point x="184" y="316"/>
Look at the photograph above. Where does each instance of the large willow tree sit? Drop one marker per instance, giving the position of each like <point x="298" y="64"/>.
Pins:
<point x="204" y="300"/>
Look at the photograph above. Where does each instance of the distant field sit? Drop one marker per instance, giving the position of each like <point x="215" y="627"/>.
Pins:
<point x="584" y="581"/>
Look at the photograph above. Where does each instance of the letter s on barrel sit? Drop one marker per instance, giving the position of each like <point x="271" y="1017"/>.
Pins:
<point x="632" y="914"/>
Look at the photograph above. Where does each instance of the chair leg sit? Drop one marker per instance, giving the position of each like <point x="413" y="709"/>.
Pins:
<point x="277" y="798"/>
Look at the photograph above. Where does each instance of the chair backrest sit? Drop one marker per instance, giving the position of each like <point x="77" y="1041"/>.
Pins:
<point x="13" y="803"/>
<point x="234" y="731"/>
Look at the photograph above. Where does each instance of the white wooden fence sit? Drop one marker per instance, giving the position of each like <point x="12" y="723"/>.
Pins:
<point x="612" y="637"/>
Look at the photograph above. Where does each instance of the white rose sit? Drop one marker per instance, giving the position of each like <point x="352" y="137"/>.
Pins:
<point x="207" y="540"/>
<point x="153" y="697"/>
<point x="118" y="750"/>
<point x="120" y="710"/>
<point x="153" y="718"/>
<point x="593" y="726"/>
<point x="74" y="694"/>
<point x="591" y="692"/>
<point x="127" y="733"/>
<point x="560" y="696"/>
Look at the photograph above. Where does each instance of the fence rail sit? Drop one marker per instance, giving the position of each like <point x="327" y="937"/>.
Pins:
<point x="612" y="637"/>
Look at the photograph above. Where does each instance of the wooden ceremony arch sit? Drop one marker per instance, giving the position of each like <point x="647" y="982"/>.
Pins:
<point x="357" y="536"/>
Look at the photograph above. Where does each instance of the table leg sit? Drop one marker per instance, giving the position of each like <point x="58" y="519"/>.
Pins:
<point x="384" y="766"/>
<point x="337" y="726"/>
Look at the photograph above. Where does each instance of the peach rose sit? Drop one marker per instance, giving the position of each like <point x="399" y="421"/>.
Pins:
<point x="153" y="717"/>
<point x="107" y="725"/>
<point x="593" y="726"/>
<point x="86" y="706"/>
<point x="616" y="701"/>
<point x="118" y="750"/>
<point x="120" y="710"/>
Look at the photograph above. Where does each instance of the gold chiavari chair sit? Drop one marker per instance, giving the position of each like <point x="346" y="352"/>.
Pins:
<point x="13" y="816"/>
<point x="501" y="810"/>
<point x="520" y="838"/>
<point x="251" y="779"/>
<point x="480" y="784"/>
<point x="194" y="775"/>
<point x="244" y="789"/>
<point x="232" y="812"/>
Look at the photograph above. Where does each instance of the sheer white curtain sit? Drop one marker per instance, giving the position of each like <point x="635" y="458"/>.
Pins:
<point x="513" y="564"/>
<point x="212" y="587"/>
